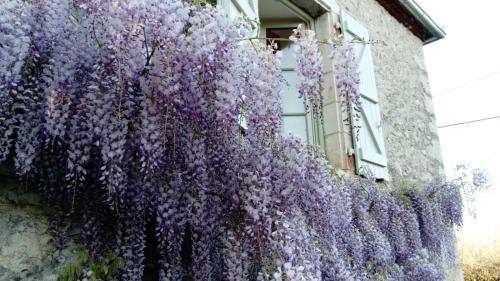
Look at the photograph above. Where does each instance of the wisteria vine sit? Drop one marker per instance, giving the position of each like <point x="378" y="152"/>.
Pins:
<point x="126" y="115"/>
<point x="309" y="68"/>
<point x="347" y="79"/>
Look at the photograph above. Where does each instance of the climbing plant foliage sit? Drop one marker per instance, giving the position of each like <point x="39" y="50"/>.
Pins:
<point x="125" y="114"/>
<point x="86" y="269"/>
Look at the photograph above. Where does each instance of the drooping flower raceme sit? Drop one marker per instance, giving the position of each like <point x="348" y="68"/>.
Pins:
<point x="345" y="63"/>
<point x="15" y="45"/>
<point x="126" y="115"/>
<point x="309" y="68"/>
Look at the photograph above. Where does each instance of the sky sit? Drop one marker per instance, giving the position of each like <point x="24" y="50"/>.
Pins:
<point x="464" y="72"/>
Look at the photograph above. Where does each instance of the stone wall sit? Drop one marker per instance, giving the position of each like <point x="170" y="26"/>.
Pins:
<point x="409" y="125"/>
<point x="411" y="136"/>
<point x="26" y="250"/>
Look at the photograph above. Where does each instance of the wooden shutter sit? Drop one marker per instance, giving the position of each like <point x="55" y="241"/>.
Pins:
<point x="369" y="145"/>
<point x="241" y="8"/>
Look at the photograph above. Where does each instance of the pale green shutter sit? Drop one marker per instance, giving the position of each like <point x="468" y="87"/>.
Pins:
<point x="241" y="8"/>
<point x="369" y="147"/>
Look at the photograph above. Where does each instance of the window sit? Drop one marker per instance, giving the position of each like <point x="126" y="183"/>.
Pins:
<point x="277" y="19"/>
<point x="295" y="118"/>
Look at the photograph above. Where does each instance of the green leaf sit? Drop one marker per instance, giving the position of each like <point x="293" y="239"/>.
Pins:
<point x="82" y="257"/>
<point x="117" y="264"/>
<point x="369" y="265"/>
<point x="100" y="270"/>
<point x="110" y="256"/>
<point x="71" y="272"/>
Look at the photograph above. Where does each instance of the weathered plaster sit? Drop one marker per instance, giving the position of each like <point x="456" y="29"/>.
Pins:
<point x="409" y="126"/>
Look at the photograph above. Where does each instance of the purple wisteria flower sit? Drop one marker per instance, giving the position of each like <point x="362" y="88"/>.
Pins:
<point x="309" y="68"/>
<point x="126" y="115"/>
<point x="345" y="61"/>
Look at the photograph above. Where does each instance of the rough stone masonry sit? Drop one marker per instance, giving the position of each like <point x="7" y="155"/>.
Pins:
<point x="408" y="119"/>
<point x="26" y="249"/>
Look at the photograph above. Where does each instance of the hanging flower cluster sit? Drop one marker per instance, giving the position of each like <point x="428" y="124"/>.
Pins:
<point x="309" y="69"/>
<point x="345" y="62"/>
<point x="125" y="114"/>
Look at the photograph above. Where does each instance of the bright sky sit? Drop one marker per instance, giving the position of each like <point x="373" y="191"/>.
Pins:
<point x="464" y="71"/>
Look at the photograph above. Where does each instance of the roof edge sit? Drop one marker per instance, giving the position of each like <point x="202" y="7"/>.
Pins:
<point x="412" y="16"/>
<point x="424" y="18"/>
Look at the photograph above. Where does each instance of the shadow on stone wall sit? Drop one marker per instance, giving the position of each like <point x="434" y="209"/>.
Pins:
<point x="26" y="249"/>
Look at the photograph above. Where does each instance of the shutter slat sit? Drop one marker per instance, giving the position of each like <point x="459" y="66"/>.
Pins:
<point x="371" y="130"/>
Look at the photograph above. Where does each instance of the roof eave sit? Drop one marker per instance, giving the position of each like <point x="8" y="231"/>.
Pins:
<point x="431" y="26"/>
<point x="412" y="16"/>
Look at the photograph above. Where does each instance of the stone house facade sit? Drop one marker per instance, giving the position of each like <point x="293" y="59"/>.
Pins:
<point x="398" y="139"/>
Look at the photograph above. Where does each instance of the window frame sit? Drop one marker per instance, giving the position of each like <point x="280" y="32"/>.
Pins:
<point x="314" y="126"/>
